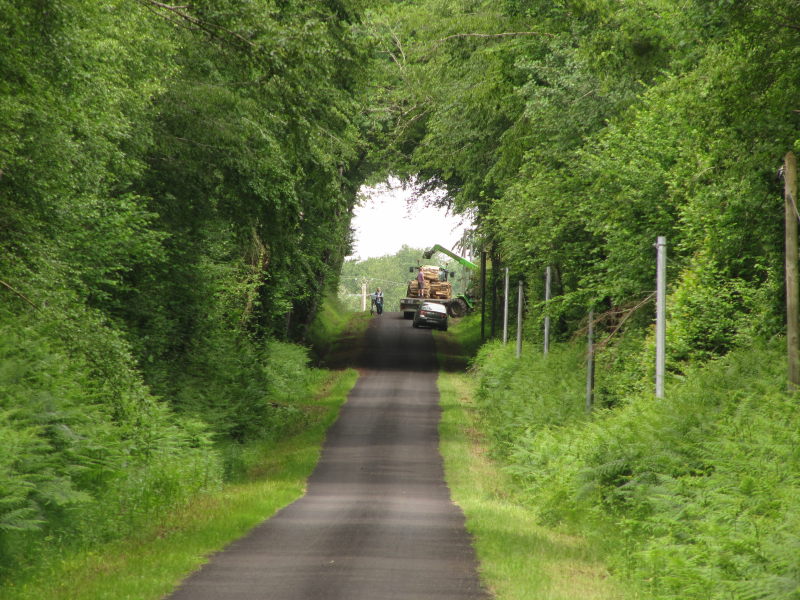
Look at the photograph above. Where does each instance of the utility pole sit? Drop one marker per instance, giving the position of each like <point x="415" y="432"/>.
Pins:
<point x="519" y="320"/>
<point x="363" y="296"/>
<point x="548" y="279"/>
<point x="505" y="309"/>
<point x="483" y="295"/>
<point x="791" y="217"/>
<point x="661" y="313"/>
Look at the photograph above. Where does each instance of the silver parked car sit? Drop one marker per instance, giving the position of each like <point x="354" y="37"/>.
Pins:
<point x="431" y="314"/>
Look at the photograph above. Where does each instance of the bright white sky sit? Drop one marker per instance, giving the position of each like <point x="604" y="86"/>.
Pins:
<point x="385" y="221"/>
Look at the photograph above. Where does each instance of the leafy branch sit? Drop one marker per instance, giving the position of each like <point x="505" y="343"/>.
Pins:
<point x="495" y="35"/>
<point x="179" y="15"/>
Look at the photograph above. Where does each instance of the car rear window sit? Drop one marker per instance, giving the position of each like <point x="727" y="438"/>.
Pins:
<point x="434" y="307"/>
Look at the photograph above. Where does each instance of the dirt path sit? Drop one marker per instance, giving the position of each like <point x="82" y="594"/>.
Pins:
<point x="377" y="522"/>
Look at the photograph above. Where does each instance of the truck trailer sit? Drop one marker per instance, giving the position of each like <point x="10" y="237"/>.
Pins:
<point x="438" y="289"/>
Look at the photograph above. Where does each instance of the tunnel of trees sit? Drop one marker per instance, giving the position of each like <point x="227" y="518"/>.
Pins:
<point x="177" y="184"/>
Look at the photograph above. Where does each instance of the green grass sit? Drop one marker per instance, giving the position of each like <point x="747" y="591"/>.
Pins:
<point x="519" y="558"/>
<point x="334" y="328"/>
<point x="150" y="564"/>
<point x="693" y="497"/>
<point x="467" y="334"/>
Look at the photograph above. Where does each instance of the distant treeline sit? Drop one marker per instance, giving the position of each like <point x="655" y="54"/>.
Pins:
<point x="391" y="274"/>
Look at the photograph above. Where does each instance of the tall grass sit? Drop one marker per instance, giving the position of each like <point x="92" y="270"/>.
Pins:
<point x="328" y="326"/>
<point x="696" y="496"/>
<point x="519" y="558"/>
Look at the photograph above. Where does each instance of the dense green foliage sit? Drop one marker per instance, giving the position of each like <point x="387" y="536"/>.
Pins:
<point x="695" y="497"/>
<point x="176" y="185"/>
<point x="578" y="131"/>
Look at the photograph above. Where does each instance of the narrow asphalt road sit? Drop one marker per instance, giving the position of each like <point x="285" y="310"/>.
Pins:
<point x="377" y="522"/>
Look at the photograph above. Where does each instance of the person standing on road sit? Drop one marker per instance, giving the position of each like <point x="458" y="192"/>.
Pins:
<point x="421" y="283"/>
<point x="377" y="299"/>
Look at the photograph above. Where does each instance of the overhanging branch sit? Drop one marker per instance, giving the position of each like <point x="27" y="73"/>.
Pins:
<point x="494" y="35"/>
<point x="179" y="15"/>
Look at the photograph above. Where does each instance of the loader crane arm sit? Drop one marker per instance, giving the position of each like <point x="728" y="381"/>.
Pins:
<point x="437" y="248"/>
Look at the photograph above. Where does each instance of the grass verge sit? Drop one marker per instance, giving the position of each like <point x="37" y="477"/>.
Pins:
<point x="519" y="558"/>
<point x="150" y="564"/>
<point x="337" y="335"/>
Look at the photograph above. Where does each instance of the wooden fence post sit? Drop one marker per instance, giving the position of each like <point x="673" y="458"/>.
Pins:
<point x="483" y="295"/>
<point x="493" y="284"/>
<point x="505" y="309"/>
<point x="363" y="296"/>
<point x="590" y="363"/>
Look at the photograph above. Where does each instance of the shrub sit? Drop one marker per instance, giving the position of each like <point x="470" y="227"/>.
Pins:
<point x="80" y="458"/>
<point x="695" y="496"/>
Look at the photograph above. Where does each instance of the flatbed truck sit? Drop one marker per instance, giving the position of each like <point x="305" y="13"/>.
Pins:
<point x="457" y="306"/>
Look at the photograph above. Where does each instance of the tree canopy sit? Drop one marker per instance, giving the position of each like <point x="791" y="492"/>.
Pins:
<point x="177" y="184"/>
<point x="581" y="130"/>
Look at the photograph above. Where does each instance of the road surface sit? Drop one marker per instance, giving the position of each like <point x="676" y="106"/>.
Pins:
<point x="376" y="522"/>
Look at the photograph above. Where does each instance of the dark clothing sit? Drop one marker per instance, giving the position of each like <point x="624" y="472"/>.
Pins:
<point x="377" y="301"/>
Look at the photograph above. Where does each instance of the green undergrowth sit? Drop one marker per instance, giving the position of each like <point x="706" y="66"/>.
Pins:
<point x="346" y="349"/>
<point x="329" y="326"/>
<point x="696" y="496"/>
<point x="87" y="454"/>
<point x="92" y="454"/>
<point x="519" y="558"/>
<point x="149" y="563"/>
<point x="456" y="349"/>
<point x="467" y="332"/>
